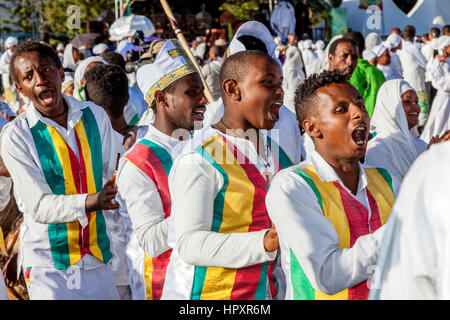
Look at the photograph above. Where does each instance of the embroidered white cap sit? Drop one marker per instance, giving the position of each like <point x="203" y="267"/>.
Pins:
<point x="171" y="63"/>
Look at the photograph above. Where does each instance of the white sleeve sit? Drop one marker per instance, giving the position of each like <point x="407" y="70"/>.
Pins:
<point x="144" y="206"/>
<point x="298" y="217"/>
<point x="194" y="184"/>
<point x="30" y="184"/>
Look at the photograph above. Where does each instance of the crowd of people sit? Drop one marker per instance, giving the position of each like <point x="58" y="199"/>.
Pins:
<point x="314" y="165"/>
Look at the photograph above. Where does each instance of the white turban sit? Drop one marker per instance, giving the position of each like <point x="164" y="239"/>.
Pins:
<point x="11" y="41"/>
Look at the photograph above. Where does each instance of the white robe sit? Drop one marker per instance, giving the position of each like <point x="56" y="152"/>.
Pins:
<point x="394" y="147"/>
<point x="292" y="76"/>
<point x="414" y="259"/>
<point x="438" y="121"/>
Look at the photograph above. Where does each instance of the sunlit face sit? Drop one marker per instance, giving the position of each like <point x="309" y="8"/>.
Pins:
<point x="410" y="102"/>
<point x="340" y="123"/>
<point x="40" y="81"/>
<point x="345" y="58"/>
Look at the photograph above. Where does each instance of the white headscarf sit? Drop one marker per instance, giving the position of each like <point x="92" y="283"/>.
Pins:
<point x="373" y="39"/>
<point x="11" y="41"/>
<point x="393" y="41"/>
<point x="394" y="147"/>
<point x="68" y="60"/>
<point x="79" y="75"/>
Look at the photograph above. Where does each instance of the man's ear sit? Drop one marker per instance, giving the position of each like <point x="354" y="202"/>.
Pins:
<point x="330" y="59"/>
<point x="312" y="128"/>
<point x="18" y="87"/>
<point x="160" y="98"/>
<point x="231" y="89"/>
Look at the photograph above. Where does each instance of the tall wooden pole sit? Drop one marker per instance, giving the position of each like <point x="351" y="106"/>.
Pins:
<point x="185" y="45"/>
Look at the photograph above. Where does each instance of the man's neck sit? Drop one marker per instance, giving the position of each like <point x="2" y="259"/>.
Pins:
<point x="346" y="169"/>
<point x="119" y="125"/>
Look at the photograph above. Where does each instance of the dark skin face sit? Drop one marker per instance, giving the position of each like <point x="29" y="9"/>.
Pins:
<point x="40" y="80"/>
<point x="410" y="102"/>
<point x="345" y="58"/>
<point x="385" y="58"/>
<point x="254" y="101"/>
<point x="339" y="126"/>
<point x="181" y="106"/>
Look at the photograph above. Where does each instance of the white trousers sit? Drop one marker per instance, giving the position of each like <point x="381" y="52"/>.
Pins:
<point x="71" y="284"/>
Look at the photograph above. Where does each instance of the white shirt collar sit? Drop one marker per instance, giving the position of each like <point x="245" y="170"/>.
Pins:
<point x="327" y="174"/>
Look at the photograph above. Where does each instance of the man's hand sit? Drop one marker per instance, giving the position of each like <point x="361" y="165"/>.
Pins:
<point x="103" y="200"/>
<point x="10" y="271"/>
<point x="437" y="139"/>
<point x="271" y="242"/>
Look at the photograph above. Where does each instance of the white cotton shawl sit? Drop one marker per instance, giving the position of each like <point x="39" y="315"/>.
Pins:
<point x="394" y="147"/>
<point x="292" y="75"/>
<point x="79" y="75"/>
<point x="373" y="39"/>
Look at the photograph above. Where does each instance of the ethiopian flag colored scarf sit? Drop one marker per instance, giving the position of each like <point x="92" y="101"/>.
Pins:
<point x="66" y="175"/>
<point x="351" y="221"/>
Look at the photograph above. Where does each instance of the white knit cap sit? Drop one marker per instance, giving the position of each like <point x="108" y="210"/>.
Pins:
<point x="171" y="64"/>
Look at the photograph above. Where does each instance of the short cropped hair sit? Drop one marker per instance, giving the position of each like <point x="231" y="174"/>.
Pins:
<point x="358" y="38"/>
<point x="236" y="67"/>
<point x="409" y="33"/>
<point x="446" y="29"/>
<point x="114" y="58"/>
<point x="335" y="43"/>
<point x="107" y="86"/>
<point x="29" y="46"/>
<point x="306" y="93"/>
<point x="435" y="32"/>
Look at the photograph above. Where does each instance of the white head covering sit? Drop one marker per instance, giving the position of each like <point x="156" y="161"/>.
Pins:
<point x="257" y="30"/>
<point x="307" y="44"/>
<point x="373" y="39"/>
<point x="122" y="45"/>
<point x="394" y="147"/>
<point x="68" y="61"/>
<point x="320" y="45"/>
<point x="393" y="41"/>
<point x="379" y="50"/>
<point x="11" y="41"/>
<point x="68" y="80"/>
<point x="59" y="47"/>
<point x="368" y="55"/>
<point x="79" y="75"/>
<point x="100" y="48"/>
<point x="171" y="64"/>
<point x="292" y="75"/>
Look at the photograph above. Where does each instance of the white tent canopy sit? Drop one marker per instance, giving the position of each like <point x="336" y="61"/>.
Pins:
<point x="429" y="13"/>
<point x="366" y="21"/>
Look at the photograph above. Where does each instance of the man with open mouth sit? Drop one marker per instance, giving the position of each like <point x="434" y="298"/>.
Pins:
<point x="225" y="246"/>
<point x="329" y="209"/>
<point x="173" y="89"/>
<point x="59" y="155"/>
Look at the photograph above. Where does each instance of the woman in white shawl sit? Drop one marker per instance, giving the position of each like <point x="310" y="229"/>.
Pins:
<point x="396" y="112"/>
<point x="292" y="76"/>
<point x="71" y="57"/>
<point x="78" y="79"/>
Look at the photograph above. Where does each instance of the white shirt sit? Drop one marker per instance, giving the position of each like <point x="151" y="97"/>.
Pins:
<point x="302" y="227"/>
<point x="40" y="205"/>
<point x="142" y="200"/>
<point x="194" y="183"/>
<point x="414" y="261"/>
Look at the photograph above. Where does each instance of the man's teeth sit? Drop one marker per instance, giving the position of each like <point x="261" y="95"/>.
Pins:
<point x="360" y="142"/>
<point x="360" y="129"/>
<point x="413" y="114"/>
